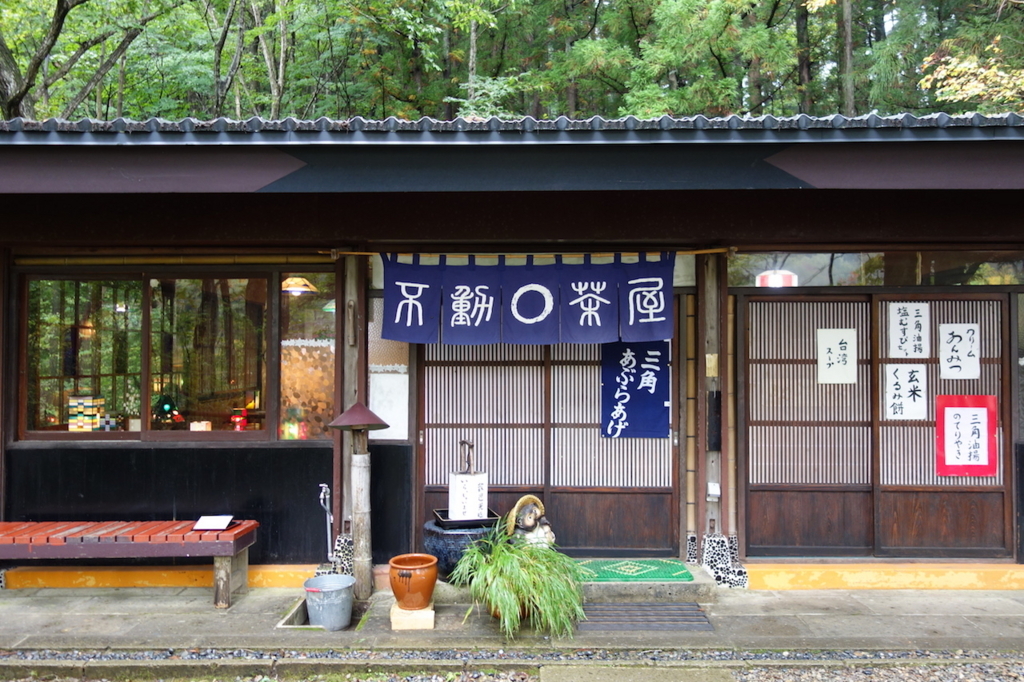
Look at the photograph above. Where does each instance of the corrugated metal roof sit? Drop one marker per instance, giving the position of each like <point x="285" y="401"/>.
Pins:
<point x="597" y="130"/>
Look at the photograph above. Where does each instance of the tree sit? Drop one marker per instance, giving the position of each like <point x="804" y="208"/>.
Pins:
<point x="40" y="40"/>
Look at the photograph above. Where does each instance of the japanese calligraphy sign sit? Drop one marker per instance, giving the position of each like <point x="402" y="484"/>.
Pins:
<point x="635" y="390"/>
<point x="965" y="435"/>
<point x="415" y="294"/>
<point x="590" y="303"/>
<point x="481" y="304"/>
<point x="837" y="356"/>
<point x="906" y="392"/>
<point x="530" y="311"/>
<point x="467" y="496"/>
<point x="909" y="330"/>
<point x="958" y="351"/>
<point x="645" y="300"/>
<point x="471" y="307"/>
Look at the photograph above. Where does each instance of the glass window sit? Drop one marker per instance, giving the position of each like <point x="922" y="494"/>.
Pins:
<point x="890" y="268"/>
<point x="84" y="355"/>
<point x="208" y="355"/>
<point x="307" y="355"/>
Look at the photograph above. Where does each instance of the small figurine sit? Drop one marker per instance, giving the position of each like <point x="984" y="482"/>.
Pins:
<point x="527" y="521"/>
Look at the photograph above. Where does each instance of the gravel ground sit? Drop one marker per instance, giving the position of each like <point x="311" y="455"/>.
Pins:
<point x="534" y="656"/>
<point x="761" y="666"/>
<point x="923" y="672"/>
<point x="971" y="672"/>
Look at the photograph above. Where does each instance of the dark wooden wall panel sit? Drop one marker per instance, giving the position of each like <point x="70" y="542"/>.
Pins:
<point x="595" y="523"/>
<point x="391" y="500"/>
<point x="797" y="523"/>
<point x="589" y="523"/>
<point x="275" y="485"/>
<point x="942" y="523"/>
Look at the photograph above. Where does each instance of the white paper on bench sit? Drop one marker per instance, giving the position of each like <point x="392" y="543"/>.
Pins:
<point x="213" y="522"/>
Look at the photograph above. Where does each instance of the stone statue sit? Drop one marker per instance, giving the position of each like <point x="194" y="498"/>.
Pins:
<point x="527" y="521"/>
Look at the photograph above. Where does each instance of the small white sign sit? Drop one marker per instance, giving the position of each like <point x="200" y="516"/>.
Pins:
<point x="467" y="496"/>
<point x="906" y="392"/>
<point x="959" y="355"/>
<point x="966" y="435"/>
<point x="219" y="522"/>
<point x="837" y="356"/>
<point x="909" y="335"/>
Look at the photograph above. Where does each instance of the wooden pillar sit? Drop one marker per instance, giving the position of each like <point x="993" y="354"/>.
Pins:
<point x="351" y="357"/>
<point x="8" y="419"/>
<point x="710" y="402"/>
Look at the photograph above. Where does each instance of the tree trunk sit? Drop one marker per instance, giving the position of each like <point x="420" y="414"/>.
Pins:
<point x="803" y="58"/>
<point x="849" y="107"/>
<point x="120" y="86"/>
<point x="755" y="94"/>
<point x="10" y="82"/>
<point x="15" y="86"/>
<point x="471" y="86"/>
<point x="274" y="78"/>
<point x="222" y="84"/>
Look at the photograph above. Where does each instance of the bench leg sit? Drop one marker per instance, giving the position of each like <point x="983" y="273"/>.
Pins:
<point x="240" y="571"/>
<point x="230" y="574"/>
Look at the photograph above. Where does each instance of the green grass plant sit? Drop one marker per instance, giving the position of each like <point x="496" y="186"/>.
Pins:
<point x="516" y="580"/>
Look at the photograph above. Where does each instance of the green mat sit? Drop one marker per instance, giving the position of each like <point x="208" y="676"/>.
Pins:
<point x="634" y="571"/>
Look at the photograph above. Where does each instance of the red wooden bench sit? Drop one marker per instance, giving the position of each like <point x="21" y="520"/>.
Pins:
<point x="137" y="539"/>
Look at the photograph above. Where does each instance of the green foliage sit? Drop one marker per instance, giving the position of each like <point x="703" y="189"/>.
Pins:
<point x="516" y="579"/>
<point x="547" y="58"/>
<point x="489" y="97"/>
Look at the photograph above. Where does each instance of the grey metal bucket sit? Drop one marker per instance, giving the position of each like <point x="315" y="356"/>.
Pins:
<point x="329" y="601"/>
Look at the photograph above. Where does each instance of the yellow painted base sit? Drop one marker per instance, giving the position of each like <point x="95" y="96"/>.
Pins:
<point x="866" y="576"/>
<point x="26" y="577"/>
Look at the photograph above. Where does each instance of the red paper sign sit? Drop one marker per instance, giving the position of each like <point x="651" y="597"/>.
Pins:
<point x="965" y="435"/>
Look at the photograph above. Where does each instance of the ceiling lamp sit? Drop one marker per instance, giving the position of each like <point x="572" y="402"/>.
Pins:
<point x="296" y="286"/>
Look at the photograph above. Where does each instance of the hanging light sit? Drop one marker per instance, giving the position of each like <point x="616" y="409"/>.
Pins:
<point x="296" y="286"/>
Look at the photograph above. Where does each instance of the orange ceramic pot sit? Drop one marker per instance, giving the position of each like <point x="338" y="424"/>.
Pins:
<point x="412" y="580"/>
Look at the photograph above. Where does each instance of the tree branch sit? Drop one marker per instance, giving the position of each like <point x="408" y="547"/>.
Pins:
<point x="97" y="77"/>
<point x="60" y="13"/>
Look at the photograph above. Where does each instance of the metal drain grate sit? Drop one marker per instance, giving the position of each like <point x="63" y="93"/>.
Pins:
<point x="645" y="616"/>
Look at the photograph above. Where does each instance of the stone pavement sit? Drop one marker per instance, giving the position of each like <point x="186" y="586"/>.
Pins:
<point x="181" y="623"/>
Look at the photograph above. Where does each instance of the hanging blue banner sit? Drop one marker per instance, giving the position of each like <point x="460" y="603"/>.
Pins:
<point x="471" y="308"/>
<point x="590" y="303"/>
<point x="528" y="304"/>
<point x="412" y="300"/>
<point x="635" y="390"/>
<point x="645" y="300"/>
<point x="529" y="311"/>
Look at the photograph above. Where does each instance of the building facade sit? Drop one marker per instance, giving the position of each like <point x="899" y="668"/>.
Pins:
<point x="188" y="304"/>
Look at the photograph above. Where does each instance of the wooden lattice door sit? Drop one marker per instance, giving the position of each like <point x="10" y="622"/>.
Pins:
<point x="829" y="471"/>
<point x="533" y="414"/>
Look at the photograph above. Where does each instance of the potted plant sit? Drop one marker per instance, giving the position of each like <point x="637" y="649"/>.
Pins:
<point x="516" y="579"/>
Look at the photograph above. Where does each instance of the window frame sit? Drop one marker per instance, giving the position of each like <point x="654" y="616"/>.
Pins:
<point x="272" y="334"/>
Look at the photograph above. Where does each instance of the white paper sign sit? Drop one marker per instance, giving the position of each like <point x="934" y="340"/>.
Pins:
<point x="958" y="351"/>
<point x="467" y="496"/>
<point x="906" y="392"/>
<point x="966" y="435"/>
<point x="837" y="356"/>
<point x="909" y="330"/>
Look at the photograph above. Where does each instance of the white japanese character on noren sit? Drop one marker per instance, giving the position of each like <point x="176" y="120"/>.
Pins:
<point x="471" y="306"/>
<point x="589" y="302"/>
<point x="410" y="292"/>
<point x="647" y="299"/>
